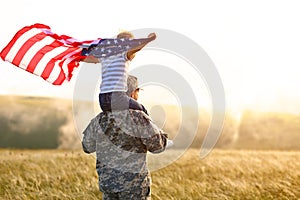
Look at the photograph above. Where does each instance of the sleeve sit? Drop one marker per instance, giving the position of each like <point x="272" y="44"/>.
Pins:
<point x="152" y="137"/>
<point x="89" y="137"/>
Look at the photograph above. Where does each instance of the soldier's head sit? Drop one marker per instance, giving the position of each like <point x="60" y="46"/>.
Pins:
<point x="133" y="89"/>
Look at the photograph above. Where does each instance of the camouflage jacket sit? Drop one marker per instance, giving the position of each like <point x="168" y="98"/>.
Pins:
<point x="121" y="140"/>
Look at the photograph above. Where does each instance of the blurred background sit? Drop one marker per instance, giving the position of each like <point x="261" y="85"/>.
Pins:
<point x="40" y="122"/>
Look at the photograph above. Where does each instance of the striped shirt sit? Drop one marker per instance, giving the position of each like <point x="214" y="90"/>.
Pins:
<point x="114" y="73"/>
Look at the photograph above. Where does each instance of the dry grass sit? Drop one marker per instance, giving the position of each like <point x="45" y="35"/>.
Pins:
<point x="58" y="174"/>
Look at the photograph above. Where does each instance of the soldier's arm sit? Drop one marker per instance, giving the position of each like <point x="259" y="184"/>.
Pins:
<point x="156" y="143"/>
<point x="152" y="137"/>
<point x="89" y="137"/>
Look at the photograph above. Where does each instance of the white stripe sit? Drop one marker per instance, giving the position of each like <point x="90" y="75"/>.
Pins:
<point x="44" y="61"/>
<point x="114" y="79"/>
<point x="33" y="50"/>
<point x="113" y="68"/>
<point x="109" y="70"/>
<point x="55" y="72"/>
<point x="65" y="66"/>
<point x="19" y="43"/>
<point x="116" y="85"/>
<point x="117" y="62"/>
<point x="66" y="63"/>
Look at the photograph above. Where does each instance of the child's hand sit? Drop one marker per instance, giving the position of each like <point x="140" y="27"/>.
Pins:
<point x="152" y="36"/>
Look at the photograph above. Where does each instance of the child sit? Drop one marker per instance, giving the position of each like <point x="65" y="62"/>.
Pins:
<point x="115" y="55"/>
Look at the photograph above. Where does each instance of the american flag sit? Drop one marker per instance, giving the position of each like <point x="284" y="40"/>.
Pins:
<point x="108" y="47"/>
<point x="39" y="51"/>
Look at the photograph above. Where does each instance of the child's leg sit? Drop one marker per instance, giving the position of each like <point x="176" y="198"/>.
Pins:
<point x="114" y="101"/>
<point x="133" y="104"/>
<point x="105" y="101"/>
<point x="119" y="101"/>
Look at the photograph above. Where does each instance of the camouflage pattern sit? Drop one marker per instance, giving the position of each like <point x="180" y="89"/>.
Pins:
<point x="143" y="194"/>
<point x="121" y="140"/>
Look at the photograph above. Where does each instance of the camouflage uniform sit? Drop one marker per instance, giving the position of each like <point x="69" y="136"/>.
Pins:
<point x="121" y="140"/>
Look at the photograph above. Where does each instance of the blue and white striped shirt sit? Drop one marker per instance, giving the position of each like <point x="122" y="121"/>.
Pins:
<point x="114" y="73"/>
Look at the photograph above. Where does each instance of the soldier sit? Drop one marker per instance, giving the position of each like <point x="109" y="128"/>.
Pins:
<point x="121" y="140"/>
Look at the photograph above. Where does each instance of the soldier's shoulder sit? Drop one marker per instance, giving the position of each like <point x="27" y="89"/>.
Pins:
<point x="95" y="121"/>
<point x="139" y="115"/>
<point x="125" y="115"/>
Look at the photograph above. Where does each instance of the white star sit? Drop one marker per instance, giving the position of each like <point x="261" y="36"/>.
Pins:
<point x="116" y="41"/>
<point x="122" y="39"/>
<point x="108" y="42"/>
<point x="102" y="49"/>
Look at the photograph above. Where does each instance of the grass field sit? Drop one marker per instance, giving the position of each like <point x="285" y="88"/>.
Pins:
<point x="224" y="174"/>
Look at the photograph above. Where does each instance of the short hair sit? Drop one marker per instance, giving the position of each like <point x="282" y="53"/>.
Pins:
<point x="125" y="34"/>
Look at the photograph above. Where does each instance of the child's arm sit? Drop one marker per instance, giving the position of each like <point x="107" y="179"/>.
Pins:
<point x="132" y="51"/>
<point x="109" y="47"/>
<point x="87" y="57"/>
<point x="90" y="59"/>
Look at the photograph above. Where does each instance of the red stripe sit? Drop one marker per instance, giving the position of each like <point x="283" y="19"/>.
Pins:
<point x="50" y="65"/>
<point x="60" y="79"/>
<point x="26" y="46"/>
<point x="39" y="55"/>
<point x="65" y="37"/>
<point x="6" y="50"/>
<point x="74" y="63"/>
<point x="62" y="76"/>
<point x="40" y="26"/>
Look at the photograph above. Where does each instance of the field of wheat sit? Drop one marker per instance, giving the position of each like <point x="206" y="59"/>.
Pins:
<point x="224" y="174"/>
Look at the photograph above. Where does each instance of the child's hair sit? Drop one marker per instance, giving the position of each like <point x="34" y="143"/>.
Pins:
<point x="125" y="34"/>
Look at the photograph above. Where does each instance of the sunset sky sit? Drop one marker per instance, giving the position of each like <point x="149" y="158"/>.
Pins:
<point x="254" y="45"/>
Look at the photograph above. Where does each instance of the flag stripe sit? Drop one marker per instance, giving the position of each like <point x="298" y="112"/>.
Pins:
<point x="39" y="55"/>
<point x="56" y="73"/>
<point x="26" y="46"/>
<point x="72" y="61"/>
<point x="6" y="50"/>
<point x="32" y="52"/>
<point x="46" y="58"/>
<point x="65" y="74"/>
<point x="60" y="79"/>
<point x="50" y="65"/>
<point x="19" y="42"/>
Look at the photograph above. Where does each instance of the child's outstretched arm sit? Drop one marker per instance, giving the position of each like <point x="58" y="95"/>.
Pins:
<point x="132" y="51"/>
<point x="90" y="59"/>
<point x="109" y="47"/>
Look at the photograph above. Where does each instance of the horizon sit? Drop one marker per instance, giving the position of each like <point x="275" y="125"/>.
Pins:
<point x="233" y="112"/>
